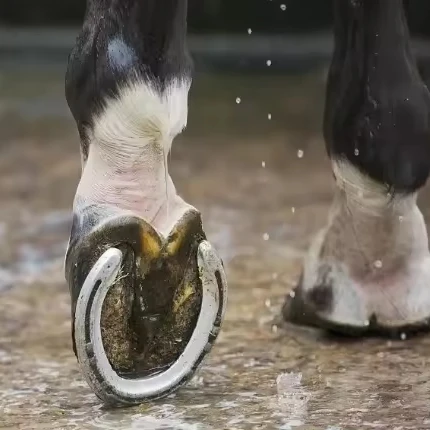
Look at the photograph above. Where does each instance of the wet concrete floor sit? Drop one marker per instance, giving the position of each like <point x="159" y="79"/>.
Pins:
<point x="264" y="188"/>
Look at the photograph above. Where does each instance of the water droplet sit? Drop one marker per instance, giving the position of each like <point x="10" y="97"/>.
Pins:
<point x="274" y="328"/>
<point x="378" y="264"/>
<point x="403" y="336"/>
<point x="356" y="151"/>
<point x="269" y="116"/>
<point x="283" y="7"/>
<point x="269" y="63"/>
<point x="249" y="31"/>
<point x="267" y="303"/>
<point x="300" y="153"/>
<point x="266" y="236"/>
<point x="292" y="294"/>
<point x="263" y="164"/>
<point x="238" y="100"/>
<point x="293" y="209"/>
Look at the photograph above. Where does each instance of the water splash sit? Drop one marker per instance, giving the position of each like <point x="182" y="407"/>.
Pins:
<point x="377" y="264"/>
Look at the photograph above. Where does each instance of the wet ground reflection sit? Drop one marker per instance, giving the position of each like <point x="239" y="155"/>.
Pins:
<point x="261" y="217"/>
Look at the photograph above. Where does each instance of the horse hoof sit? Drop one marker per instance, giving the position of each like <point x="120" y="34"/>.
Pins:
<point x="148" y="310"/>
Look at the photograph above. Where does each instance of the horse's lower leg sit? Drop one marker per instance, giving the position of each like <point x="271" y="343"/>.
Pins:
<point x="127" y="87"/>
<point x="370" y="267"/>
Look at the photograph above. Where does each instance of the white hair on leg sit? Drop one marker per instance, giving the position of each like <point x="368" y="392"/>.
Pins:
<point x="373" y="253"/>
<point x="141" y="115"/>
<point x="129" y="143"/>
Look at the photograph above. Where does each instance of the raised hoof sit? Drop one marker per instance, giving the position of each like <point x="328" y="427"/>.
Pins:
<point x="145" y="309"/>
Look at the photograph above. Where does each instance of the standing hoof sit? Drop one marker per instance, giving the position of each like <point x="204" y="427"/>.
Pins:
<point x="368" y="271"/>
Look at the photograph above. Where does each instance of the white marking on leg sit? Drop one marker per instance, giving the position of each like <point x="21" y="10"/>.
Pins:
<point x="141" y="115"/>
<point x="129" y="143"/>
<point x="370" y="196"/>
<point x="376" y="247"/>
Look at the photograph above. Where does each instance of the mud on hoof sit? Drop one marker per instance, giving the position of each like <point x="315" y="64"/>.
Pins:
<point x="368" y="271"/>
<point x="153" y="315"/>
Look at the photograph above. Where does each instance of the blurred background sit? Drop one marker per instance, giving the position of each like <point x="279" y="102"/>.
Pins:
<point x="209" y="16"/>
<point x="252" y="160"/>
